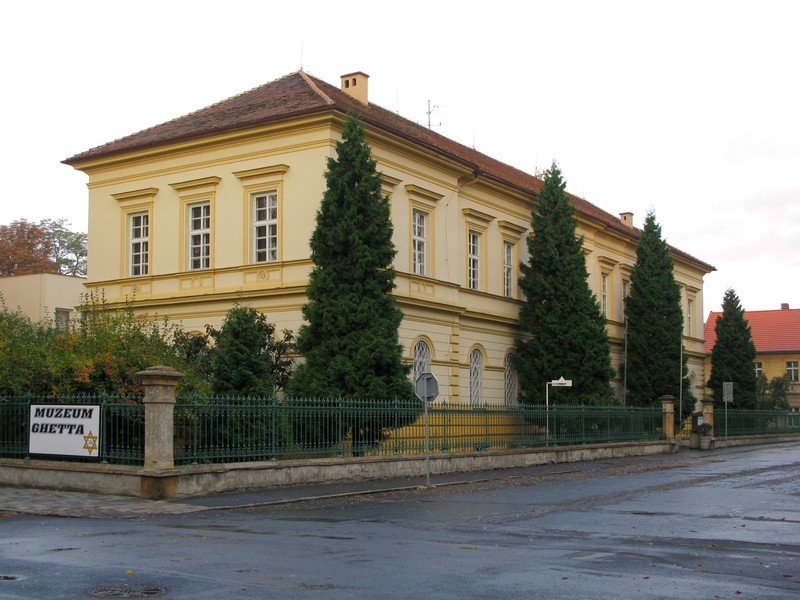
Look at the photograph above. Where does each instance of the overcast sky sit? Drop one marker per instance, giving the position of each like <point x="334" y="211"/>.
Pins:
<point x="689" y="108"/>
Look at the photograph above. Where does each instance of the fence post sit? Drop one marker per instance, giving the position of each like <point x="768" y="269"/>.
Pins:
<point x="708" y="412"/>
<point x="159" y="405"/>
<point x="668" y="408"/>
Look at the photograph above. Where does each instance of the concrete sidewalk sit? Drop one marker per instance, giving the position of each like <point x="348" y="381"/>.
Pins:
<point x="80" y="504"/>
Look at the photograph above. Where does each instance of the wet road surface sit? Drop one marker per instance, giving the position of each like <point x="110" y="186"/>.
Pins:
<point x="724" y="524"/>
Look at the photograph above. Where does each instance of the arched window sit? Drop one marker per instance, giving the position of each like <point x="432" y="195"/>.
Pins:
<point x="509" y="381"/>
<point x="422" y="358"/>
<point x="475" y="377"/>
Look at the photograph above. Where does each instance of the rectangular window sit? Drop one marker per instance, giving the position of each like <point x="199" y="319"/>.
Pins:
<point x="689" y="311"/>
<point x="626" y="288"/>
<point x="604" y="294"/>
<point x="792" y="373"/>
<point x="759" y="369"/>
<point x="418" y="239"/>
<point x="508" y="267"/>
<point x="140" y="244"/>
<point x="62" y="319"/>
<point x="265" y="226"/>
<point x="474" y="260"/>
<point x="200" y="236"/>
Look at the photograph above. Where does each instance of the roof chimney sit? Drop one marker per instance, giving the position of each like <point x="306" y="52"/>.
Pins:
<point x="784" y="306"/>
<point x="355" y="84"/>
<point x="626" y="218"/>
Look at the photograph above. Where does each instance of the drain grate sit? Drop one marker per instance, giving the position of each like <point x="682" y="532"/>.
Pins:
<point x="124" y="591"/>
<point x="8" y="578"/>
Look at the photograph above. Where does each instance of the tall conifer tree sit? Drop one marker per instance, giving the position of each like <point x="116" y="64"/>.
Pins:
<point x="560" y="313"/>
<point x="655" y="324"/>
<point x="734" y="354"/>
<point x="350" y="339"/>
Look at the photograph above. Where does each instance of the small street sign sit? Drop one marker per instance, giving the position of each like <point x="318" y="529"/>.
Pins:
<point x="561" y="382"/>
<point x="426" y="386"/>
<point x="727" y="391"/>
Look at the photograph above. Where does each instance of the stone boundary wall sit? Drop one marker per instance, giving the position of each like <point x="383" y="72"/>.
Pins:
<point x="751" y="440"/>
<point x="194" y="480"/>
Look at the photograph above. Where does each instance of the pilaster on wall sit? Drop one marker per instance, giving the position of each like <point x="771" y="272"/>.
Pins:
<point x="455" y="342"/>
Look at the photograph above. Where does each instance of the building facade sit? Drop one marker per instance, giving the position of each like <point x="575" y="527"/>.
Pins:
<point x="43" y="296"/>
<point x="218" y="206"/>
<point x="776" y="335"/>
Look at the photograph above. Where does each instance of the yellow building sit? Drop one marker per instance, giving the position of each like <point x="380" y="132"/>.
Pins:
<point x="43" y="296"/>
<point x="218" y="206"/>
<point x="776" y="335"/>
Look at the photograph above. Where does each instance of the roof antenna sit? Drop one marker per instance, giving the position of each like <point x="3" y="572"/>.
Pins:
<point x="430" y="111"/>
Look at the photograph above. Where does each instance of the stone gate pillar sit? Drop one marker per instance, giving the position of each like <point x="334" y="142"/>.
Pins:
<point x="159" y="405"/>
<point x="708" y="412"/>
<point x="668" y="405"/>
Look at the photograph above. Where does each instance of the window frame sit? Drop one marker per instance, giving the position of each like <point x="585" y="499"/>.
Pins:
<point x="508" y="268"/>
<point x="474" y="279"/>
<point x="143" y="240"/>
<point x="476" y="369"/>
<point x="205" y="234"/>
<point x="419" y="268"/>
<point x="270" y="254"/>
<point x="510" y="381"/>
<point x="420" y="362"/>
<point x="604" y="294"/>
<point x="792" y="371"/>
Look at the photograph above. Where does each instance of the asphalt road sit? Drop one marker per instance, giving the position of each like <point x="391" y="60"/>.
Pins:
<point x="694" y="525"/>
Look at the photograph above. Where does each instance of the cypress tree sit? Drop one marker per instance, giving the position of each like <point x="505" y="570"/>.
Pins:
<point x="560" y="312"/>
<point x="350" y="339"/>
<point x="655" y="324"/>
<point x="734" y="354"/>
<point x="240" y="361"/>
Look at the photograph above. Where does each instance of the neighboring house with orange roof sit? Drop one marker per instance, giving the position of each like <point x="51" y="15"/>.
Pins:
<point x="218" y="206"/>
<point x="776" y="335"/>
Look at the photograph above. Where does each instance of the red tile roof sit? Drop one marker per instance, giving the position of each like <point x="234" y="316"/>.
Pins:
<point x="773" y="330"/>
<point x="300" y="94"/>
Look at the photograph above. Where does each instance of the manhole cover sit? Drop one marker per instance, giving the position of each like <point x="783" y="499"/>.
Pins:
<point x="8" y="578"/>
<point x="124" y="591"/>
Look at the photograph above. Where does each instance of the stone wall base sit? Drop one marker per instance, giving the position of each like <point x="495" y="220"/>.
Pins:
<point x="751" y="440"/>
<point x="195" y="480"/>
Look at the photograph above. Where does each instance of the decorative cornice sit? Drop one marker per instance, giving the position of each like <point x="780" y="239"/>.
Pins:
<point x="191" y="184"/>
<point x="389" y="181"/>
<point x="510" y="227"/>
<point x="420" y="192"/>
<point x="261" y="172"/>
<point x="607" y="261"/>
<point x="477" y="215"/>
<point x="135" y="194"/>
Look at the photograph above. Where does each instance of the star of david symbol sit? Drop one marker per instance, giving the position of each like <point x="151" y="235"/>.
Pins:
<point x="90" y="442"/>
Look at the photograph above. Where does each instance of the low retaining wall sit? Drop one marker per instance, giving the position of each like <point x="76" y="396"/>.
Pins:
<point x="194" y="480"/>
<point x="751" y="440"/>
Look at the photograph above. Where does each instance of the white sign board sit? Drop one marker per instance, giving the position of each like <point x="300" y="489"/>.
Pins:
<point x="65" y="430"/>
<point x="727" y="391"/>
<point x="561" y="382"/>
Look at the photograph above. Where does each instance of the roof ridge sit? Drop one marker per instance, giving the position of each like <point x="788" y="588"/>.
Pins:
<point x="189" y="114"/>
<point x="309" y="79"/>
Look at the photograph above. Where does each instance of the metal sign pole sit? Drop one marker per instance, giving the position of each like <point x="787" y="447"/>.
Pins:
<point x="427" y="450"/>
<point x="547" y="409"/>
